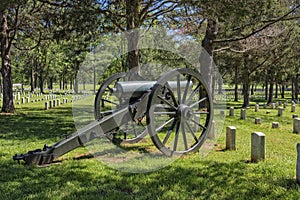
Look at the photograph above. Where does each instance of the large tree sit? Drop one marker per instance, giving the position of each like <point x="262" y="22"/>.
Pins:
<point x="130" y="16"/>
<point x="229" y="23"/>
<point x="18" y="20"/>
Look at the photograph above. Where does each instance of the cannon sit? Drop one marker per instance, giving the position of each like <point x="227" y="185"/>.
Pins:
<point x="176" y="111"/>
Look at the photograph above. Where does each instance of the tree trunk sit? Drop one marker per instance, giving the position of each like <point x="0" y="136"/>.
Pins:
<point x="206" y="57"/>
<point x="296" y="88"/>
<point x="246" y="91"/>
<point x="50" y="86"/>
<point x="32" y="79"/>
<point x="246" y="80"/>
<point x="133" y="36"/>
<point x="76" y="85"/>
<point x="41" y="84"/>
<point x="252" y="89"/>
<point x="71" y="83"/>
<point x="271" y="93"/>
<point x="266" y="89"/>
<point x="276" y="91"/>
<point x="8" y="103"/>
<point x="236" y="82"/>
<point x="220" y="86"/>
<point x="282" y="91"/>
<point x="1" y="87"/>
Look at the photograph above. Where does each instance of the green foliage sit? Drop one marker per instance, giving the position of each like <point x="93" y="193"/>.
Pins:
<point x="64" y="32"/>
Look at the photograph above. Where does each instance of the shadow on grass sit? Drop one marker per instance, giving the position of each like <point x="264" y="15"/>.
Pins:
<point x="86" y="178"/>
<point x="78" y="179"/>
<point x="36" y="124"/>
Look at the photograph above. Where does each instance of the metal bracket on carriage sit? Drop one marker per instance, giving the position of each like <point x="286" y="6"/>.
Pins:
<point x="137" y="109"/>
<point x="37" y="156"/>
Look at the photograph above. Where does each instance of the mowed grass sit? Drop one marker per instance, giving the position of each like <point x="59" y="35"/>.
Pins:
<point x="221" y="174"/>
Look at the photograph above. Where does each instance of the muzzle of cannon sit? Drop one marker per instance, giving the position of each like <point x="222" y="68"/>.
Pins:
<point x="176" y="111"/>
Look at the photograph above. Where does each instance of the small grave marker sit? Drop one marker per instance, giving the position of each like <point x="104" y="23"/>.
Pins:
<point x="295" y="116"/>
<point x="293" y="108"/>
<point x="257" y="120"/>
<point x="222" y="113"/>
<point x="280" y="111"/>
<point x="273" y="105"/>
<point x="58" y="102"/>
<point x="243" y="114"/>
<point x="275" y="125"/>
<point x="296" y="126"/>
<point x="230" y="138"/>
<point x="256" y="107"/>
<point x="231" y="112"/>
<point x="258" y="149"/>
<point x="298" y="164"/>
<point x="265" y="105"/>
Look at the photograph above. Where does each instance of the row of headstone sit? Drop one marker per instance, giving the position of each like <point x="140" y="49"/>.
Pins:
<point x="18" y="95"/>
<point x="38" y="97"/>
<point x="55" y="103"/>
<point x="296" y="122"/>
<point x="258" y="147"/>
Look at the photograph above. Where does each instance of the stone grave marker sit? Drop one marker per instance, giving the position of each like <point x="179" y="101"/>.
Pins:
<point x="230" y="138"/>
<point x="258" y="146"/>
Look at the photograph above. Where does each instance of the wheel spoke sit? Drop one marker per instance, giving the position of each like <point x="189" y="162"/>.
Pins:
<point x="197" y="123"/>
<point x="169" y="132"/>
<point x="201" y="112"/>
<point x="173" y="98"/>
<point x="110" y="89"/>
<point x="108" y="101"/>
<point x="176" y="136"/>
<point x="165" y="113"/>
<point x="192" y="132"/>
<point x="193" y="94"/>
<point x="167" y="102"/>
<point x="197" y="102"/>
<point x="186" y="89"/>
<point x="164" y="124"/>
<point x="184" y="136"/>
<point x="178" y="89"/>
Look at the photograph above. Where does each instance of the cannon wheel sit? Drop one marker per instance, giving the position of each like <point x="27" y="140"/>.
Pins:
<point x="179" y="117"/>
<point x="107" y="103"/>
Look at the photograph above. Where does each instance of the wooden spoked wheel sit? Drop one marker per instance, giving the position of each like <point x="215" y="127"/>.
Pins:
<point x="106" y="103"/>
<point x="179" y="112"/>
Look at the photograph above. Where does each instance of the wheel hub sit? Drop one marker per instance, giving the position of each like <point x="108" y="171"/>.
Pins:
<point x="185" y="112"/>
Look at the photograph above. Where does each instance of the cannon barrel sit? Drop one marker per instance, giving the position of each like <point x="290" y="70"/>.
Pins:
<point x="135" y="89"/>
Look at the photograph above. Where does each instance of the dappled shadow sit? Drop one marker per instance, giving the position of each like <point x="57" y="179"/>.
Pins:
<point x="83" y="177"/>
<point x="196" y="180"/>
<point x="36" y="124"/>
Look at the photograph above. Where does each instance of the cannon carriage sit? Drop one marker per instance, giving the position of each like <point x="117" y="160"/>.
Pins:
<point x="175" y="111"/>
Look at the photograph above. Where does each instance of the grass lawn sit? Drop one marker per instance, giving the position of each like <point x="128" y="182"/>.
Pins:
<point x="219" y="175"/>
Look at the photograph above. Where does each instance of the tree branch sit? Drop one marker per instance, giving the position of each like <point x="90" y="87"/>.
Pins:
<point x="63" y="4"/>
<point x="260" y="29"/>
